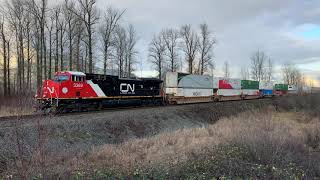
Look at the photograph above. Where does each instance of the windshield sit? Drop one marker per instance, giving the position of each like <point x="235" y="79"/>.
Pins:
<point x="61" y="78"/>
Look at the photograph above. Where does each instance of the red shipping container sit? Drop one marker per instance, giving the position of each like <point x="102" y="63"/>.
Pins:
<point x="228" y="83"/>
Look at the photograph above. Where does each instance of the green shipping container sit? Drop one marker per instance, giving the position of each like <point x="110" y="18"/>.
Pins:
<point x="281" y="87"/>
<point x="247" y="84"/>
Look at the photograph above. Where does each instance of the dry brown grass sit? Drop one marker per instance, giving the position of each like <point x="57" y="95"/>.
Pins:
<point x="11" y="106"/>
<point x="267" y="135"/>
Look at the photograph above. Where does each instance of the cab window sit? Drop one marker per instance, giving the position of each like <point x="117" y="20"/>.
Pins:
<point x="77" y="78"/>
<point x="61" y="78"/>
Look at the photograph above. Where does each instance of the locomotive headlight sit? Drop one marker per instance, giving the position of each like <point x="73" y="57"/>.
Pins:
<point x="64" y="90"/>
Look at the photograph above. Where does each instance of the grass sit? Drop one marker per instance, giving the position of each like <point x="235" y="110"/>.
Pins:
<point x="281" y="141"/>
<point x="11" y="106"/>
<point x="264" y="144"/>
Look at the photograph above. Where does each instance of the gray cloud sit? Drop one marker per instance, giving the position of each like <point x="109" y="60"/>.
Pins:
<point x="241" y="27"/>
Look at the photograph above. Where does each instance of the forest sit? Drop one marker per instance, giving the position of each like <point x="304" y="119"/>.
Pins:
<point x="38" y="39"/>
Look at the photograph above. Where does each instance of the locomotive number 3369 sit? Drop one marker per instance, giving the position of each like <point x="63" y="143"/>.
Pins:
<point x="77" y="85"/>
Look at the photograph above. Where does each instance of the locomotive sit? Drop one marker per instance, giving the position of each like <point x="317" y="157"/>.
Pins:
<point x="71" y="90"/>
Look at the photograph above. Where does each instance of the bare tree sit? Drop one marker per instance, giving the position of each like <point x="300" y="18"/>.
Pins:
<point x="269" y="70"/>
<point x="157" y="52"/>
<point x="245" y="75"/>
<point x="28" y="37"/>
<point x="291" y="74"/>
<point x="171" y="39"/>
<point x="79" y="44"/>
<point x="205" y="47"/>
<point x="15" y="16"/>
<point x="56" y="12"/>
<point x="130" y="50"/>
<point x="258" y="61"/>
<point x="62" y="41"/>
<point x="39" y="11"/>
<point x="190" y="46"/>
<point x="71" y="20"/>
<point x="89" y="16"/>
<point x="106" y="30"/>
<point x="226" y="69"/>
<point x="4" y="49"/>
<point x="120" y="49"/>
<point x="50" y="26"/>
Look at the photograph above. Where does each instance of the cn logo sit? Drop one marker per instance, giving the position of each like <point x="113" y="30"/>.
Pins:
<point x="51" y="91"/>
<point x="127" y="88"/>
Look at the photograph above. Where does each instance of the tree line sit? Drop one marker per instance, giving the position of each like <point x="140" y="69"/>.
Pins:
<point x="262" y="69"/>
<point x="38" y="40"/>
<point x="171" y="47"/>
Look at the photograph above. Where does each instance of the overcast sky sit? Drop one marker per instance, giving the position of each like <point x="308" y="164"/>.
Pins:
<point x="287" y="30"/>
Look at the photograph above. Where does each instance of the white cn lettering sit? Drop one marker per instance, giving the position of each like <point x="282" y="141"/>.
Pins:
<point x="51" y="91"/>
<point x="127" y="88"/>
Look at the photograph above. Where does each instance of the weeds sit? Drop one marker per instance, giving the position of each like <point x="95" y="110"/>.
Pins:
<point x="270" y="139"/>
<point x="261" y="144"/>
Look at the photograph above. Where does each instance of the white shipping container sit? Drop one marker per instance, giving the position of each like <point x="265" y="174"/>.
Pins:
<point x="194" y="92"/>
<point x="251" y="92"/>
<point x="292" y="88"/>
<point x="171" y="80"/>
<point x="196" y="82"/>
<point x="216" y="82"/>
<point x="266" y="85"/>
<point x="229" y="92"/>
<point x="172" y="91"/>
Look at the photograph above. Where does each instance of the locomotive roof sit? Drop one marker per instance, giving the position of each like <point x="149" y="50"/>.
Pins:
<point x="101" y="76"/>
<point x="76" y="73"/>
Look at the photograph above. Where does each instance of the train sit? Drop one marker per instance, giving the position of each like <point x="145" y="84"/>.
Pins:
<point x="78" y="91"/>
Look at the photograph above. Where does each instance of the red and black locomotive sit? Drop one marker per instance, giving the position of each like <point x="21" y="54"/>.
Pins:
<point x="76" y="90"/>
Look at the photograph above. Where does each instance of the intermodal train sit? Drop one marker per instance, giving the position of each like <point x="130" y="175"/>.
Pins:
<point x="69" y="90"/>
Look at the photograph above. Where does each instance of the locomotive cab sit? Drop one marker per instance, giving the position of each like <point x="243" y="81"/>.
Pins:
<point x="64" y="85"/>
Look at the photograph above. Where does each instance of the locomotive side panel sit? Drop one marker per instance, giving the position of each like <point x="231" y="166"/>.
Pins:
<point x="114" y="86"/>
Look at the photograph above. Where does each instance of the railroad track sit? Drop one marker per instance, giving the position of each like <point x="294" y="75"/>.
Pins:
<point x="34" y="116"/>
<point x="104" y="110"/>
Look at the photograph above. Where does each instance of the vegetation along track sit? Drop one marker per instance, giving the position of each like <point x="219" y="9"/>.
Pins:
<point x="66" y="136"/>
<point x="113" y="109"/>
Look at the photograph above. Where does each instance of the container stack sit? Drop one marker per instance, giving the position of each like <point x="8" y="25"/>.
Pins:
<point x="195" y="85"/>
<point x="227" y="86"/>
<point x="292" y="89"/>
<point x="250" y="88"/>
<point x="266" y="89"/>
<point x="281" y="89"/>
<point x="185" y="85"/>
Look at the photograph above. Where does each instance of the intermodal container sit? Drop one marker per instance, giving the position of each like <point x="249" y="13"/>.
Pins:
<point x="187" y="92"/>
<point x="251" y="92"/>
<point x="171" y="80"/>
<point x="171" y="91"/>
<point x="266" y="92"/>
<point x="196" y="81"/>
<point x="280" y="92"/>
<point x="265" y="85"/>
<point x="281" y="87"/>
<point x="229" y="92"/>
<point x="248" y="84"/>
<point x="292" y="88"/>
<point x="229" y="83"/>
